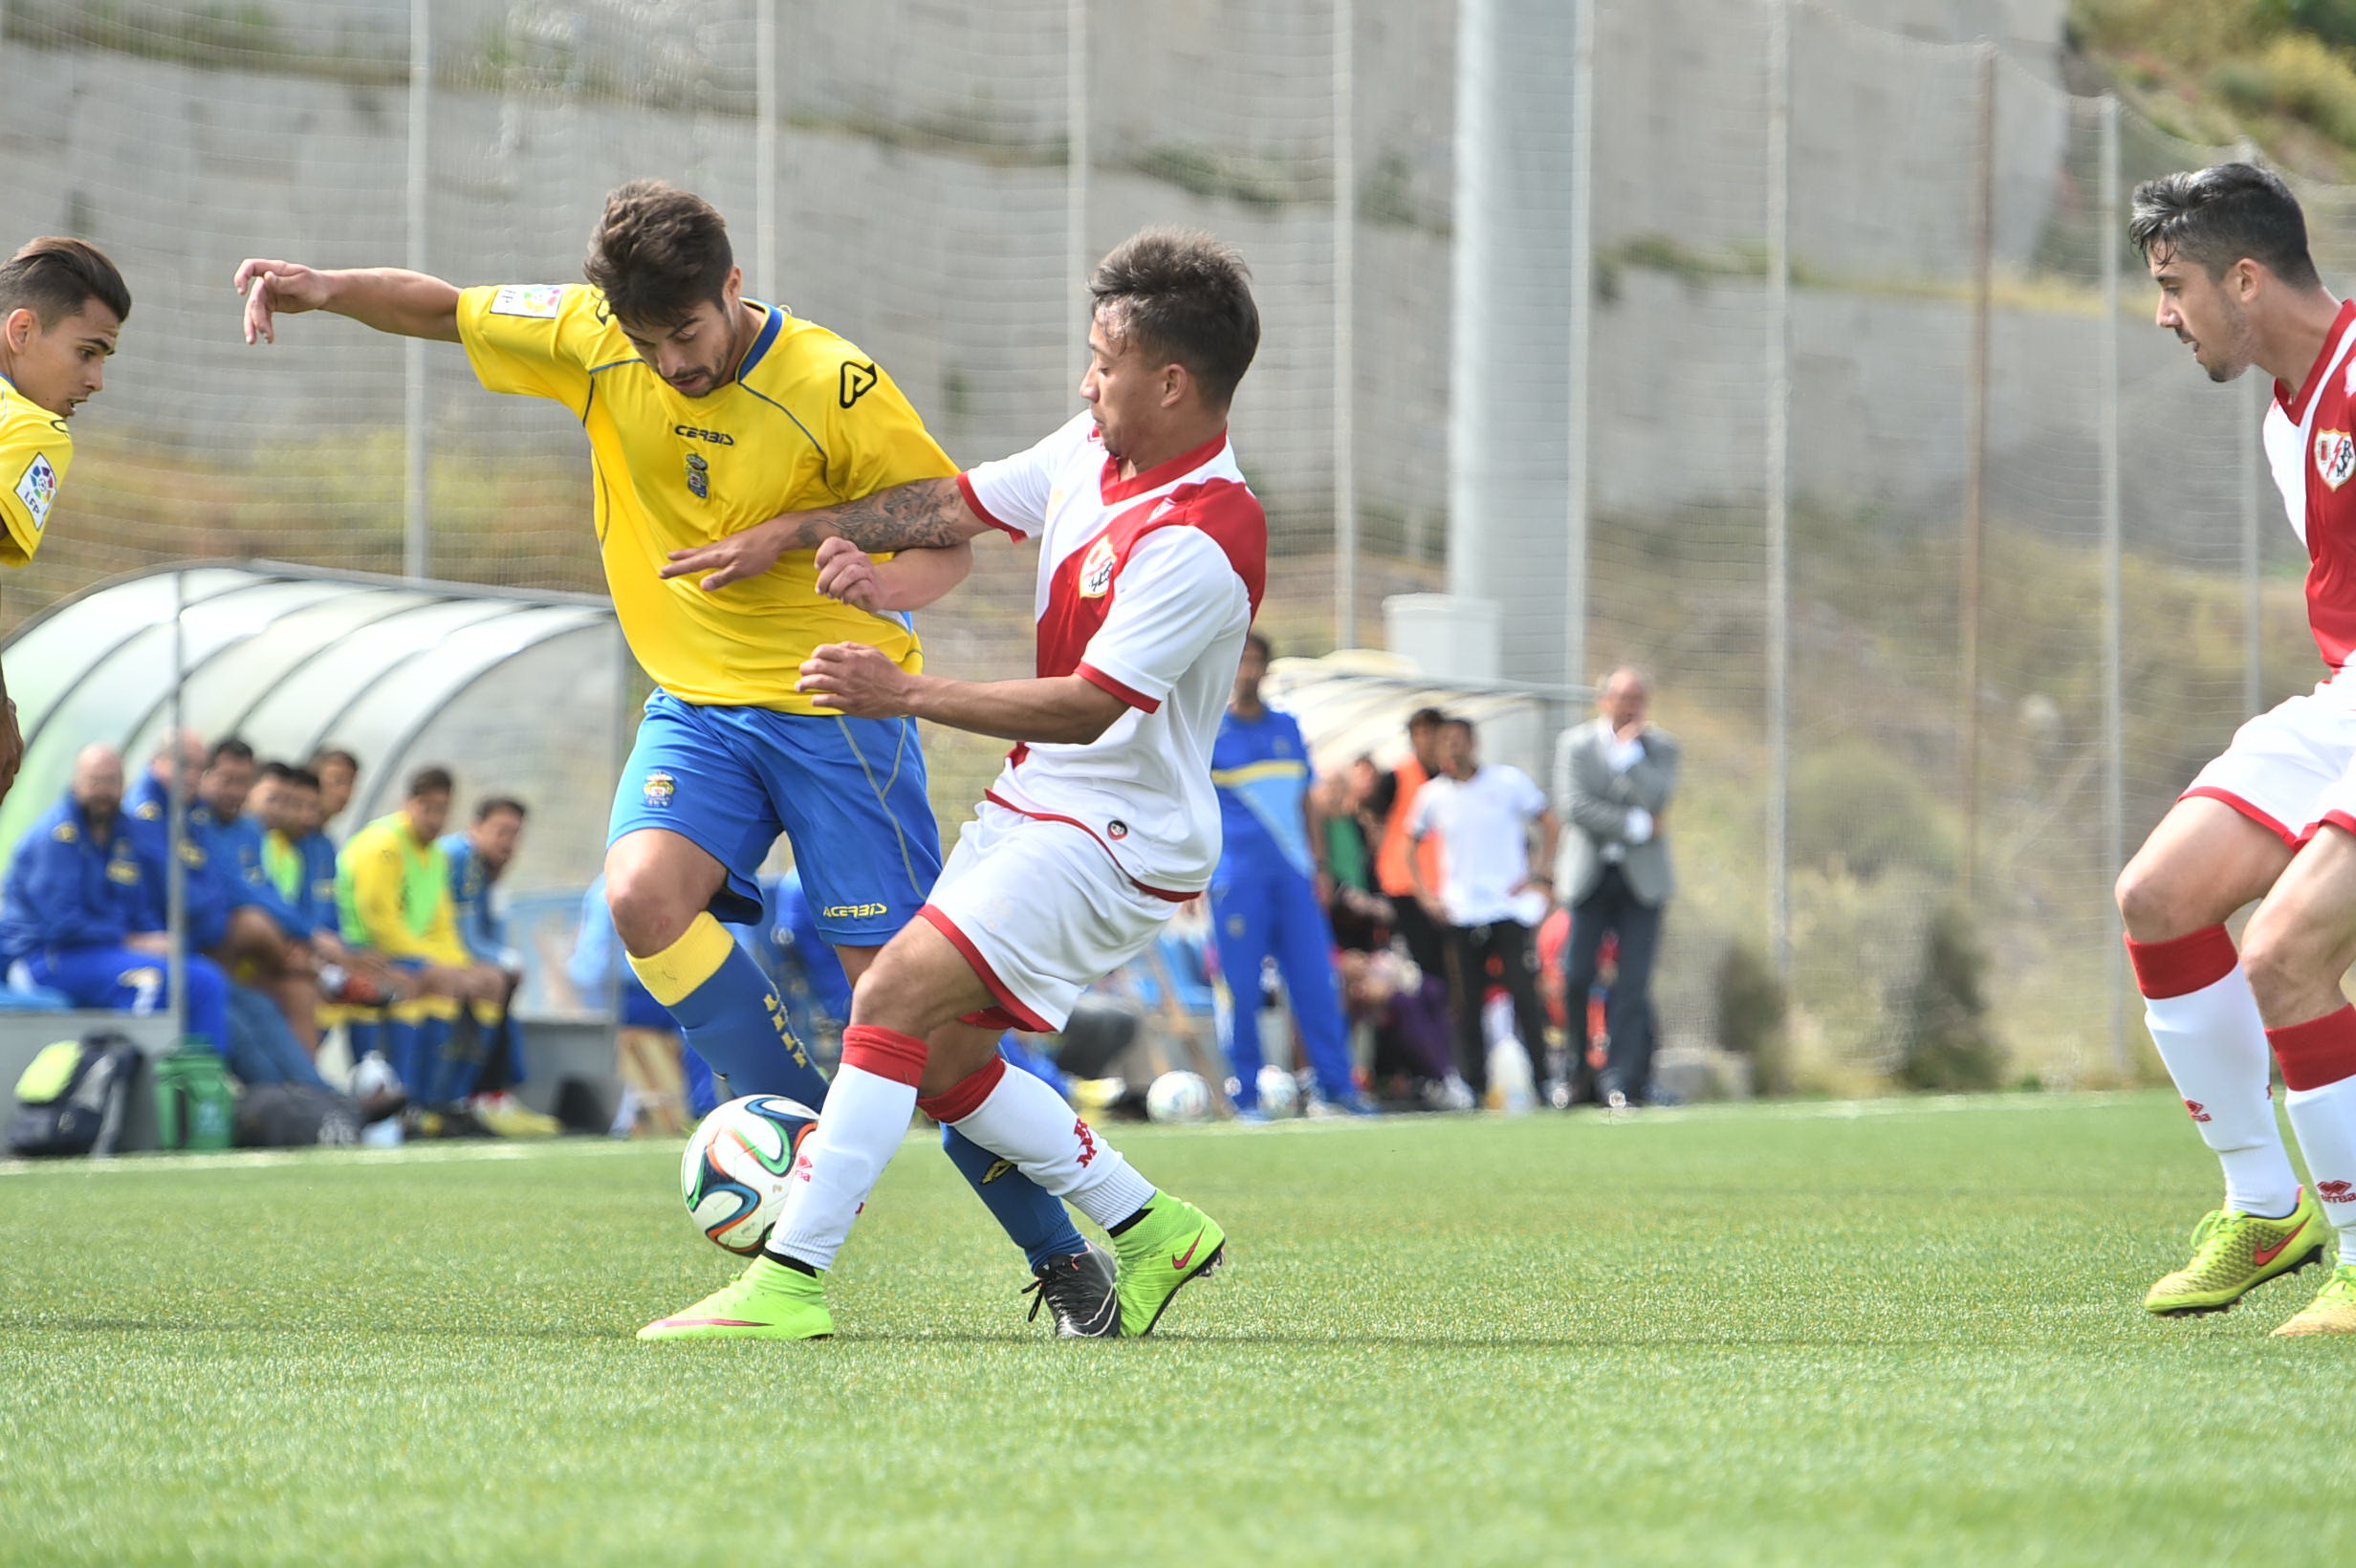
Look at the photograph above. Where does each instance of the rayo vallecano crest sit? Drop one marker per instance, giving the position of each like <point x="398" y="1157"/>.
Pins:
<point x="2335" y="456"/>
<point x="1096" y="568"/>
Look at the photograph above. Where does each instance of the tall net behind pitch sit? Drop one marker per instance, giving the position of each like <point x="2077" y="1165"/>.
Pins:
<point x="2034" y="572"/>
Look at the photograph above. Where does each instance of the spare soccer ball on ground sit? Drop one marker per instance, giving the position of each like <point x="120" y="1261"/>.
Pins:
<point x="733" y="1176"/>
<point x="1178" y="1097"/>
<point x="1279" y="1091"/>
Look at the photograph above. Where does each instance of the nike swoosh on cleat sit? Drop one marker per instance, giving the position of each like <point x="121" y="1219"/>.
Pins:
<point x="2260" y="1256"/>
<point x="1180" y="1260"/>
<point x="710" y="1322"/>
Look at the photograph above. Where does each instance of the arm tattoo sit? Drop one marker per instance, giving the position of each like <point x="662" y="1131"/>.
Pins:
<point x="926" y="514"/>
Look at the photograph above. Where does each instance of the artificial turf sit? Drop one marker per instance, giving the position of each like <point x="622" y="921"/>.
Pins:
<point x="1903" y="1332"/>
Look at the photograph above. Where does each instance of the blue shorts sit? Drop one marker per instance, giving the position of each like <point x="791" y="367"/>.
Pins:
<point x="849" y="794"/>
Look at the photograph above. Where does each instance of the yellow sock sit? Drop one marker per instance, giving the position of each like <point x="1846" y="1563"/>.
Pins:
<point x="680" y="969"/>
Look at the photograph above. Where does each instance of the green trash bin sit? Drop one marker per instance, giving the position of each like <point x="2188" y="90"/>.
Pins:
<point x="196" y="1105"/>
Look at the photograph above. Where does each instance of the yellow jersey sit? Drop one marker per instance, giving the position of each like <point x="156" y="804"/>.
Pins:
<point x="35" y="451"/>
<point x="808" y="422"/>
<point x="393" y="894"/>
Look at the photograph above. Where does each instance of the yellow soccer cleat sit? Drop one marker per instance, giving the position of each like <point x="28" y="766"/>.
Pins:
<point x="2333" y="1311"/>
<point x="2234" y="1253"/>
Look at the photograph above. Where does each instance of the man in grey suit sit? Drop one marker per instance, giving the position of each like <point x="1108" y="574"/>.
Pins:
<point x="1613" y="780"/>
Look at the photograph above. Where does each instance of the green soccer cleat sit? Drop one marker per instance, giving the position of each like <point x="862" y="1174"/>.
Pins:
<point x="1173" y="1242"/>
<point x="2234" y="1253"/>
<point x="2333" y="1311"/>
<point x="767" y="1301"/>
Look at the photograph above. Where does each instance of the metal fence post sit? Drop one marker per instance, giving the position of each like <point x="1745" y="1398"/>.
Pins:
<point x="2114" y="616"/>
<point x="1778" y="380"/>
<point x="1582" y="284"/>
<point x="1975" y="448"/>
<point x="1345" y="360"/>
<point x="765" y="147"/>
<point x="1077" y="151"/>
<point x="415" y="554"/>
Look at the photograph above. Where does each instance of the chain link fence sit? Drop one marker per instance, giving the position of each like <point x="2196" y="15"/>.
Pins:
<point x="1949" y="570"/>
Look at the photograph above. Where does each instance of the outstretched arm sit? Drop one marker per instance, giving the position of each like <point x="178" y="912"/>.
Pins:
<point x="387" y="298"/>
<point x="926" y="514"/>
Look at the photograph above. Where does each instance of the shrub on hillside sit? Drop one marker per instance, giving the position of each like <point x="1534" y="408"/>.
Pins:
<point x="1949" y="1043"/>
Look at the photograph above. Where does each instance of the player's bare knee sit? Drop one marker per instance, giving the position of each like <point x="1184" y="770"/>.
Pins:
<point x="648" y="915"/>
<point x="2156" y="907"/>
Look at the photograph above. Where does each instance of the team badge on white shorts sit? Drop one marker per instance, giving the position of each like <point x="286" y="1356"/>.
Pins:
<point x="2335" y="456"/>
<point x="38" y="488"/>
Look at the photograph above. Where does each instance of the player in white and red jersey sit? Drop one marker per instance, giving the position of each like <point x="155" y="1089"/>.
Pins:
<point x="2272" y="819"/>
<point x="1152" y="554"/>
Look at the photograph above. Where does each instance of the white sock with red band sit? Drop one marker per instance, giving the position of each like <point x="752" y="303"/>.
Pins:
<point x="1017" y="1117"/>
<point x="2319" y="1067"/>
<point x="2203" y="1019"/>
<point x="860" y="1129"/>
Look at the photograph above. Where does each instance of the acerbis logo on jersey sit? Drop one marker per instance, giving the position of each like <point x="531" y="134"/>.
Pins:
<point x="1096" y="568"/>
<point x="2199" y="1111"/>
<point x="2335" y="456"/>
<point x="38" y="488"/>
<point x="541" y="299"/>
<point x="2336" y="1192"/>
<point x="858" y="381"/>
<point x="717" y="438"/>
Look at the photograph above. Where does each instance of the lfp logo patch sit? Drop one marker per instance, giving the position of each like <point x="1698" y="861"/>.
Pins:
<point x="38" y="488"/>
<point x="541" y="299"/>
<point x="660" y="789"/>
<point x="2335" y="456"/>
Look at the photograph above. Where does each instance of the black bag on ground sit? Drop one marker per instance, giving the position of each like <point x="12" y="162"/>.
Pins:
<point x="284" y="1116"/>
<point x="72" y="1099"/>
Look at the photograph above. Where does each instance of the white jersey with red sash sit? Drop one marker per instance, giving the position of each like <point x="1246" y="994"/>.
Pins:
<point x="1147" y="587"/>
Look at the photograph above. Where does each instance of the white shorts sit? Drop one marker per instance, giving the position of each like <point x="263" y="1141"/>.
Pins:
<point x="2288" y="769"/>
<point x="1042" y="913"/>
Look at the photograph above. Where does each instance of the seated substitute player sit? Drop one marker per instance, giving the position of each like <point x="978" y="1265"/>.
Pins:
<point x="79" y="911"/>
<point x="2274" y="819"/>
<point x="62" y="306"/>
<point x="1105" y="819"/>
<point x="706" y="413"/>
<point x="478" y="858"/>
<point x="393" y="891"/>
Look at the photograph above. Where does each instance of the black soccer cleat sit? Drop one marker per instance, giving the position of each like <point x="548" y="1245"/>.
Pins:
<point x="1078" y="1288"/>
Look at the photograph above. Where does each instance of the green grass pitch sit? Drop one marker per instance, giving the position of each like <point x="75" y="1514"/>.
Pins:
<point x="1897" y="1333"/>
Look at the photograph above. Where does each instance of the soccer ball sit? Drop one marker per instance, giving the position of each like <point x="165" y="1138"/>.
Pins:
<point x="1279" y="1091"/>
<point x="1178" y="1097"/>
<point x="733" y="1176"/>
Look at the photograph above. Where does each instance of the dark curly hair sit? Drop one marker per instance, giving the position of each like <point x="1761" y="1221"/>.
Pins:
<point x="658" y="253"/>
<point x="1182" y="294"/>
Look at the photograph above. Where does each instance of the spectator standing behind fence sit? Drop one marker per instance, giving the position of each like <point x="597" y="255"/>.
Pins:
<point x="1264" y="893"/>
<point x="1492" y="892"/>
<point x="1613" y="780"/>
<point x="80" y="914"/>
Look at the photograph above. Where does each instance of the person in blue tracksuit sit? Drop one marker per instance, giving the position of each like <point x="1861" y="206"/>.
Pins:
<point x="1264" y="895"/>
<point x="477" y="858"/>
<point x="79" y="911"/>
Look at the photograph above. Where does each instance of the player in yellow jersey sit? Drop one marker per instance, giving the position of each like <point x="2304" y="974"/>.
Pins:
<point x="706" y="413"/>
<point x="62" y="305"/>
